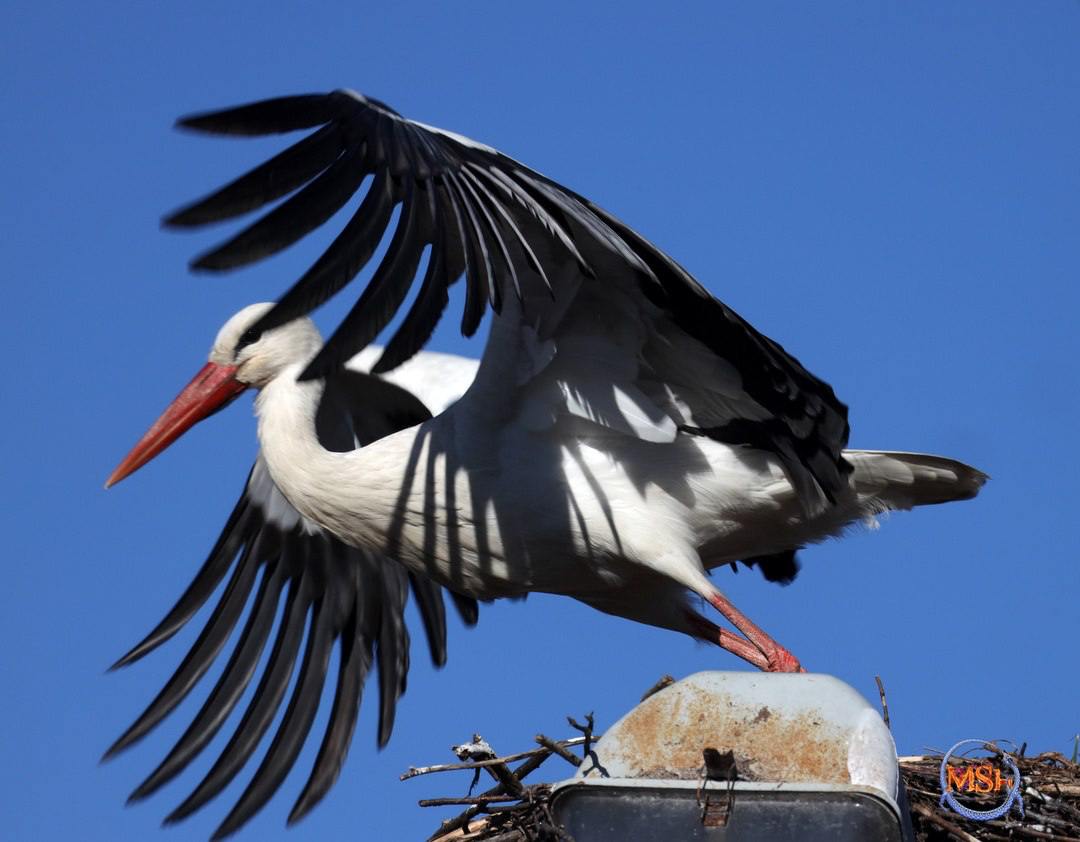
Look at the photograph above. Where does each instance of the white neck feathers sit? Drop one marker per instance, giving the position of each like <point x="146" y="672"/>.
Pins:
<point x="346" y="493"/>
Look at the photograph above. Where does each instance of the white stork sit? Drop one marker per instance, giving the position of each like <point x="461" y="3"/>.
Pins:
<point x="626" y="431"/>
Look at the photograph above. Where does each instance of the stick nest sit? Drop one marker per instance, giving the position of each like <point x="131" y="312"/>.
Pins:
<point x="513" y="811"/>
<point x="1050" y="786"/>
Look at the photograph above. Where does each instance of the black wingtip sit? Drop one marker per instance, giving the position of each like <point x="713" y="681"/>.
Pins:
<point x="131" y="656"/>
<point x="468" y="609"/>
<point x="214" y="261"/>
<point x="268" y="116"/>
<point x="181" y="218"/>
<point x="193" y="122"/>
<point x="387" y="713"/>
<point x="124" y="741"/>
<point x="153" y="782"/>
<point x="226" y="829"/>
<point x="141" y="649"/>
<point x="300" y="809"/>
<point x="179" y="814"/>
<point x="138" y="794"/>
<point x="238" y="816"/>
<point x="171" y="820"/>
<point x="214" y="123"/>
<point x="188" y="123"/>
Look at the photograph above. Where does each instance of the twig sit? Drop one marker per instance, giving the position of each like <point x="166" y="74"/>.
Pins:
<point x="459" y="821"/>
<point x="929" y="793"/>
<point x="1030" y="831"/>
<point x="586" y="729"/>
<point x="558" y="749"/>
<point x="509" y="808"/>
<point x="884" y="704"/>
<point x="533" y="763"/>
<point x="415" y="771"/>
<point x="665" y="681"/>
<point x="943" y="823"/>
<point x="539" y="755"/>
<point x="506" y="778"/>
<point x="509" y="836"/>
<point x="1042" y="818"/>
<point x="479" y="800"/>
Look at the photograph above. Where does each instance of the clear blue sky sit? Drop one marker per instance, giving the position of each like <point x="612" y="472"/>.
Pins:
<point x="890" y="190"/>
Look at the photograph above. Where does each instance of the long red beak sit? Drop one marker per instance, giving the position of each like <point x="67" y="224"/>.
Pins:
<point x="210" y="390"/>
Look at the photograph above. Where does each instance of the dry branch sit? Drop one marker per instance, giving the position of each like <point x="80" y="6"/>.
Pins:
<point x="414" y="771"/>
<point x="513" y="811"/>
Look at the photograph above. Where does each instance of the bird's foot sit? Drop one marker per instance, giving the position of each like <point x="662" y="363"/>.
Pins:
<point x="767" y="655"/>
<point x="780" y="659"/>
<point x="757" y="647"/>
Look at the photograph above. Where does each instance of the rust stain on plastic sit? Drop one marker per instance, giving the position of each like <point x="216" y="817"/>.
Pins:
<point x="665" y="737"/>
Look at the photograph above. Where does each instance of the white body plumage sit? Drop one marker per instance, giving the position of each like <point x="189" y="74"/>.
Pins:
<point x="574" y="508"/>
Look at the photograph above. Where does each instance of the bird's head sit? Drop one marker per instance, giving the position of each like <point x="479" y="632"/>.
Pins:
<point x="258" y="357"/>
<point x="241" y="358"/>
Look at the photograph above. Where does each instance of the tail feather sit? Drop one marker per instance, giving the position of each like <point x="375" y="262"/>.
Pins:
<point x="894" y="480"/>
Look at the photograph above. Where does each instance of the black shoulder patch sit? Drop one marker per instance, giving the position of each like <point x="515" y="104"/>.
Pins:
<point x="357" y="409"/>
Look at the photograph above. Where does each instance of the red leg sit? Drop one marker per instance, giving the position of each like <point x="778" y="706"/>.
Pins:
<point x="757" y="647"/>
<point x="712" y="633"/>
<point x="777" y="657"/>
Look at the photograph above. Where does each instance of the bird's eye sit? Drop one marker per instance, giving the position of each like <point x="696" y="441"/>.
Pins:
<point x="248" y="337"/>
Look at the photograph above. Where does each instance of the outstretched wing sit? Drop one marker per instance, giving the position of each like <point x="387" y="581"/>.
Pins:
<point x="515" y="236"/>
<point x="336" y="594"/>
